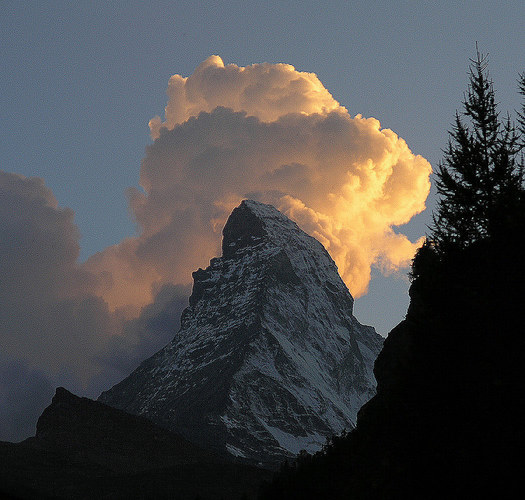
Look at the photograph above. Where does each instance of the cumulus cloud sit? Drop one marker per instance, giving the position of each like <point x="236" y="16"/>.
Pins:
<point x="49" y="313"/>
<point x="266" y="132"/>
<point x="267" y="91"/>
<point x="143" y="336"/>
<point x="275" y="134"/>
<point x="24" y="393"/>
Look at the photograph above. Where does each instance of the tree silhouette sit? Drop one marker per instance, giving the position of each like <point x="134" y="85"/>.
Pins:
<point x="521" y="114"/>
<point x="480" y="179"/>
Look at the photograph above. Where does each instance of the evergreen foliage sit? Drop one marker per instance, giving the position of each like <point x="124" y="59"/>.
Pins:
<point x="521" y="114"/>
<point x="481" y="177"/>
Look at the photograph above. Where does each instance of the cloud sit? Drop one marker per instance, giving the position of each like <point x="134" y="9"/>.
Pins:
<point x="272" y="133"/>
<point x="49" y="313"/>
<point x="266" y="91"/>
<point x="267" y="132"/>
<point x="54" y="327"/>
<point x="142" y="337"/>
<point x="24" y="393"/>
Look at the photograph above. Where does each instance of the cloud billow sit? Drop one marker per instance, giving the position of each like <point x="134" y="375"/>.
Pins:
<point x="267" y="132"/>
<point x="54" y="327"/>
<point x="267" y="91"/>
<point x="275" y="134"/>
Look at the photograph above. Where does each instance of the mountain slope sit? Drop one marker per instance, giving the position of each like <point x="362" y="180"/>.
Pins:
<point x="88" y="430"/>
<point x="269" y="359"/>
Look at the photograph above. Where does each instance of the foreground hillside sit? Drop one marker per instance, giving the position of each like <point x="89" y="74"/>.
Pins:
<point x="85" y="449"/>
<point x="447" y="420"/>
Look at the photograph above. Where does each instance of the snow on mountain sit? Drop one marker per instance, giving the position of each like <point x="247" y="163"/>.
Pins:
<point x="269" y="359"/>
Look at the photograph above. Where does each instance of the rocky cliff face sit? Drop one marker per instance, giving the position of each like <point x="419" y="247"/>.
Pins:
<point x="269" y="359"/>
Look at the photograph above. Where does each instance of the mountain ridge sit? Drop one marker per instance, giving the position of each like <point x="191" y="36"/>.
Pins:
<point x="85" y="449"/>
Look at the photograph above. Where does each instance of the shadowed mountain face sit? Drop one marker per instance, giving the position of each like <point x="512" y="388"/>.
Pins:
<point x="87" y="430"/>
<point x="447" y="420"/>
<point x="85" y="449"/>
<point x="269" y="359"/>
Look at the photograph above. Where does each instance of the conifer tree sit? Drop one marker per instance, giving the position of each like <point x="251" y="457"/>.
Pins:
<point x="521" y="114"/>
<point x="480" y="177"/>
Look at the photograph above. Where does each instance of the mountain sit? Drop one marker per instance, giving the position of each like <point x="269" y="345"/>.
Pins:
<point x="269" y="359"/>
<point x="85" y="449"/>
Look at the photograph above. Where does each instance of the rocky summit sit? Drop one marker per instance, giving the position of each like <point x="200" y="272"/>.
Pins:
<point x="269" y="359"/>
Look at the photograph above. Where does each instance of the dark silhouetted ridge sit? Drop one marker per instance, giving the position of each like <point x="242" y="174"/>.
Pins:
<point x="85" y="449"/>
<point x="90" y="430"/>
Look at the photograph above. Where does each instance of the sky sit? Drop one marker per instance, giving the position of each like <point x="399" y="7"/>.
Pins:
<point x="98" y="231"/>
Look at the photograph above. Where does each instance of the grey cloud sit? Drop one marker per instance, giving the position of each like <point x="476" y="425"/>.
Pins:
<point x="54" y="329"/>
<point x="142" y="337"/>
<point x="24" y="393"/>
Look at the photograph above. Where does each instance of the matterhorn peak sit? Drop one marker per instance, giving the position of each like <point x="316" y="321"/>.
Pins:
<point x="269" y="359"/>
<point x="251" y="223"/>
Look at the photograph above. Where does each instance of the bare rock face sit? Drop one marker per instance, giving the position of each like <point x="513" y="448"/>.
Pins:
<point x="269" y="359"/>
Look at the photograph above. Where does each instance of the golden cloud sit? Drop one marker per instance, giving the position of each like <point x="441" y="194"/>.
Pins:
<point x="266" y="91"/>
<point x="266" y="132"/>
<point x="272" y="133"/>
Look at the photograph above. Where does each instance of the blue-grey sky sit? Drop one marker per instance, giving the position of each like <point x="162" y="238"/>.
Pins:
<point x="79" y="82"/>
